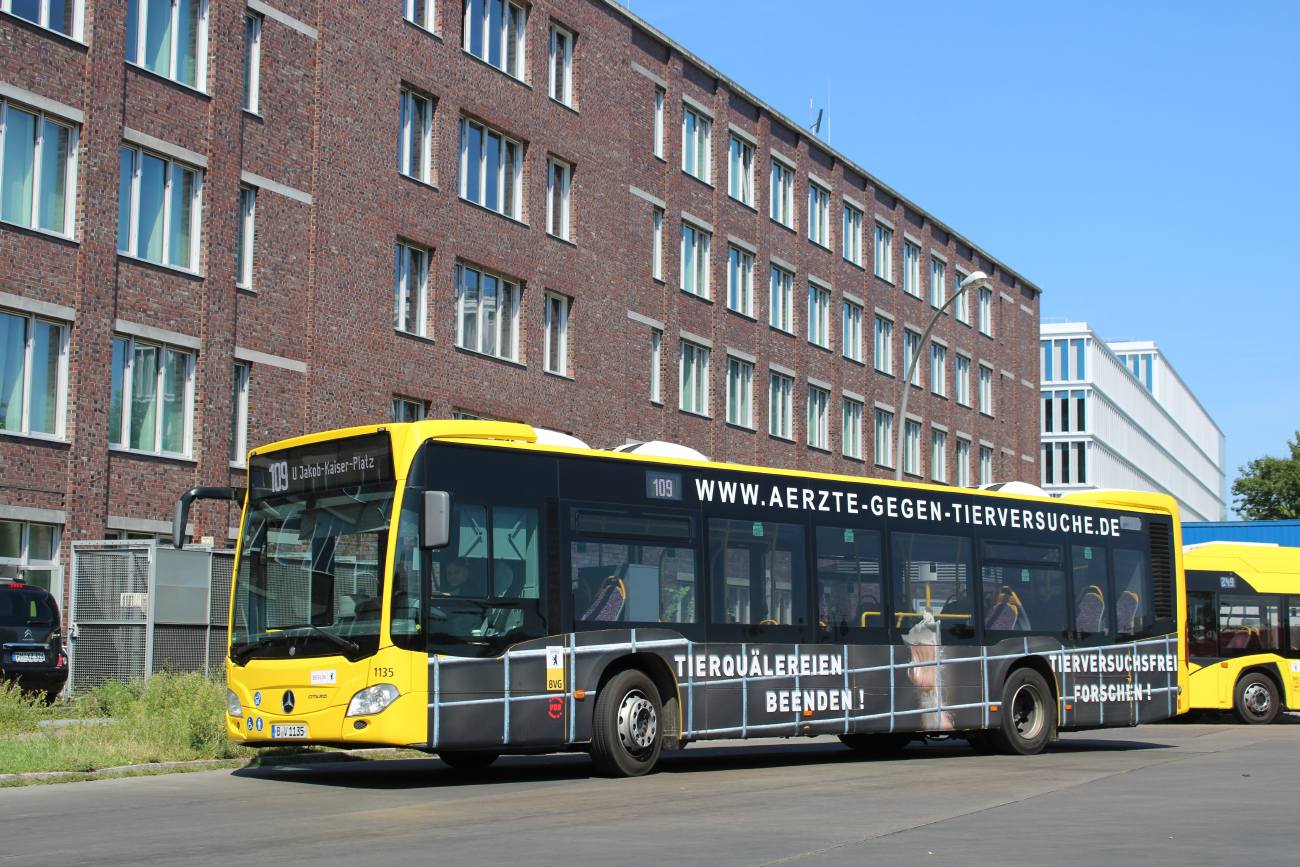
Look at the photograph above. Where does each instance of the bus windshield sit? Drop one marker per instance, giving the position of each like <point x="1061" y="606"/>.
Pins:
<point x="310" y="579"/>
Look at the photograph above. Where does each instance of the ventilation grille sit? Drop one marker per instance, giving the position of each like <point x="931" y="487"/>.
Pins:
<point x="180" y="648"/>
<point x="223" y="566"/>
<point x="103" y="653"/>
<point x="1162" y="573"/>
<point x="112" y="585"/>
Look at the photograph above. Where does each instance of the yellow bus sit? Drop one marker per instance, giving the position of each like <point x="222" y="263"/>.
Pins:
<point x="459" y="588"/>
<point x="1243" y="629"/>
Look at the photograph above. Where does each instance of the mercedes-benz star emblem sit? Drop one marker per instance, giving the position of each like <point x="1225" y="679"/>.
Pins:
<point x="287" y="701"/>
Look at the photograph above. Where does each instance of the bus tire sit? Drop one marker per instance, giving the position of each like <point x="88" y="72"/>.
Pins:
<point x="1028" y="714"/>
<point x="469" y="760"/>
<point x="1255" y="700"/>
<point x="877" y="744"/>
<point x="627" y="727"/>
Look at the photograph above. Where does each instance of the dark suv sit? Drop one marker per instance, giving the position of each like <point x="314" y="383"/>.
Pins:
<point x="31" y="648"/>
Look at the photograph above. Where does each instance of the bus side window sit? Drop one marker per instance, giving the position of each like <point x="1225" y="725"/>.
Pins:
<point x="1249" y="624"/>
<point x="515" y="570"/>
<point x="932" y="574"/>
<point x="1132" y="602"/>
<point x="849" y="579"/>
<point x="1202" y="625"/>
<point x="758" y="573"/>
<point x="634" y="582"/>
<point x="1293" y="619"/>
<point x="1091" y="586"/>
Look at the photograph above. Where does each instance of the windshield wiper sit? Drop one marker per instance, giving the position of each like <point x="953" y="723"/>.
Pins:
<point x="239" y="654"/>
<point x="340" y="641"/>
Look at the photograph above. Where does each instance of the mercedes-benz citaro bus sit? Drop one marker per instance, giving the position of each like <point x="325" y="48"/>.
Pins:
<point x="455" y="587"/>
<point x="1243" y="629"/>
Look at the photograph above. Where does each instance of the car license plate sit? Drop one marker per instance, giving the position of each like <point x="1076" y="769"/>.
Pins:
<point x="29" y="657"/>
<point x="294" y="731"/>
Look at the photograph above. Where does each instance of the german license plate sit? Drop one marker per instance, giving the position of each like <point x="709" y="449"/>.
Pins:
<point x="290" y="731"/>
<point x="38" y="656"/>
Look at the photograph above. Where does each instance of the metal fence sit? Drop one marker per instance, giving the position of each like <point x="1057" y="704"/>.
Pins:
<point x="139" y="608"/>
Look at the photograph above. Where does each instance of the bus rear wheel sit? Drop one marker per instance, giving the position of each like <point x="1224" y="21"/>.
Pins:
<point x="1256" y="701"/>
<point x="872" y="744"/>
<point x="626" y="729"/>
<point x="469" y="760"/>
<point x="1028" y="714"/>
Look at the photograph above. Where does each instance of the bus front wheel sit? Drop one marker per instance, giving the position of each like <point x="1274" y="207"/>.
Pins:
<point x="1256" y="701"/>
<point x="627" y="728"/>
<point x="1028" y="714"/>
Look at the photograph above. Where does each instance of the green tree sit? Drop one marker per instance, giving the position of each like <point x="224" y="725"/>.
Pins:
<point x="1268" y="488"/>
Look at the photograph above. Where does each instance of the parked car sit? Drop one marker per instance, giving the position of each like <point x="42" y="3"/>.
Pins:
<point x="31" y="645"/>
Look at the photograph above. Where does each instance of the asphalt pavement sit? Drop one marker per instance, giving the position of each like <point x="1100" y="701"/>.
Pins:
<point x="1186" y="794"/>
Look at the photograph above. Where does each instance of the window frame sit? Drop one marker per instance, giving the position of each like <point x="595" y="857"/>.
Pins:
<point x="819" y="316"/>
<point x="656" y="365"/>
<point x="661" y="96"/>
<point x="406" y="114"/>
<point x="400" y="404"/>
<point x="986" y="312"/>
<point x="938" y="278"/>
<point x="911" y="269"/>
<point x="819" y="215"/>
<point x="128" y="370"/>
<point x="911" y="351"/>
<point x="986" y="466"/>
<point x="986" y="390"/>
<point x="938" y="369"/>
<point x="851" y="428"/>
<point x="25" y="563"/>
<point x="246" y="246"/>
<point x="740" y="392"/>
<point x="780" y="411"/>
<point x="962" y="304"/>
<point x="553" y="301"/>
<point x="911" y="447"/>
<point x="657" y="244"/>
<point x="253" y="60"/>
<point x="401" y="288"/>
<point x="516" y="182"/>
<point x="963" y="462"/>
<point x="558" y="167"/>
<point x="740" y="263"/>
<point x="410" y="10"/>
<point x="745" y="174"/>
<point x="961" y="375"/>
<point x="852" y="242"/>
<point x="61" y="380"/>
<point x="884" y="253"/>
<point x="516" y="292"/>
<point x="70" y="166"/>
<point x="196" y="210"/>
<point x="818" y="430"/>
<point x="851" y="315"/>
<point x="884" y="345"/>
<point x="513" y="12"/>
<point x="884" y="438"/>
<point x="242" y="379"/>
<point x="699" y="362"/>
<point x="938" y="455"/>
<point x="781" y="207"/>
<point x="701" y="147"/>
<point x="781" y="299"/>
<point x="200" y="48"/>
<point x="561" y="92"/>
<point x="78" y="18"/>
<point x="697" y="263"/>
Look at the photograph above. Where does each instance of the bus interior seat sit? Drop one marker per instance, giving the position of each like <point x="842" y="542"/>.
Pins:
<point x="1002" y="616"/>
<point x="608" y="602"/>
<point x="1090" y="610"/>
<point x="1126" y="611"/>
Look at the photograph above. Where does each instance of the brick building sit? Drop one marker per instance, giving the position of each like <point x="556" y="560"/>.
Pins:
<point x="224" y="223"/>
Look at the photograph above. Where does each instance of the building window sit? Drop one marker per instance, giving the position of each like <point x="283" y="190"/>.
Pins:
<point x="247" y="237"/>
<point x="911" y="269"/>
<point x="741" y="182"/>
<point x="884" y="253"/>
<point x="911" y="447"/>
<point x="558" y="175"/>
<point x="487" y="313"/>
<point x="963" y="463"/>
<point x="38" y="170"/>
<point x="405" y="410"/>
<point x="938" y="274"/>
<point x="884" y="438"/>
<point x="657" y="245"/>
<point x="694" y="384"/>
<point x="33" y="375"/>
<point x="962" y="304"/>
<point x="561" y="65"/>
<point x="782" y="299"/>
<point x="853" y="235"/>
<point x="1065" y="463"/>
<point x="819" y="216"/>
<point x="740" y="281"/>
<point x="30" y="552"/>
<point x="491" y="168"/>
<point x="819" y="316"/>
<point x="962" y="376"/>
<point x="152" y="398"/>
<point x="851" y="332"/>
<point x="911" y="353"/>
<point x="1081" y="373"/>
<point x="696" y="135"/>
<point x="818" y="433"/>
<point x="1058" y="407"/>
<point x="239" y="415"/>
<point x="740" y="392"/>
<point x="411" y="280"/>
<point x="494" y="32"/>
<point x="659" y="122"/>
<point x="986" y="390"/>
<point x="252" y="60"/>
<point x="656" y="365"/>
<point x="1080" y="463"/>
<point x="986" y="312"/>
<point x="416" y="146"/>
<point x="938" y="456"/>
<point x="938" y="370"/>
<point x="61" y="16"/>
<point x="555" y="328"/>
<point x="695" y="260"/>
<point x="781" y="407"/>
<point x="986" y="466"/>
<point x="851" y="430"/>
<point x="159" y="203"/>
<point x="422" y="13"/>
<point x="782" y="194"/>
<point x="170" y="38"/>
<point x="884" y="345"/>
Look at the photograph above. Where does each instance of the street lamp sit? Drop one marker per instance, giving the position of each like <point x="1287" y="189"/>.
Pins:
<point x="974" y="281"/>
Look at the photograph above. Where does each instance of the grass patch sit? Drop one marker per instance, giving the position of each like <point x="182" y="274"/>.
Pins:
<point x="169" y="717"/>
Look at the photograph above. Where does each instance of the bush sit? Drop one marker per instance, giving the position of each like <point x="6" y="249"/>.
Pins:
<point x="18" y="713"/>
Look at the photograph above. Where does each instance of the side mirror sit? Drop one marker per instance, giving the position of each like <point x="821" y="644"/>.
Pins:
<point x="435" y="522"/>
<point x="181" y="516"/>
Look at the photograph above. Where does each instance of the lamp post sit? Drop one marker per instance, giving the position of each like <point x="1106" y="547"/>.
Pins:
<point x="974" y="281"/>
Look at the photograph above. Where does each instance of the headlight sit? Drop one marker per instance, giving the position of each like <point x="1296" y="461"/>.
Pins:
<point x="233" y="706"/>
<point x="372" y="700"/>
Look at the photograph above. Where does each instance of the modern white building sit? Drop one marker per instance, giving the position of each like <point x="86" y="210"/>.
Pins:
<point x="1117" y="415"/>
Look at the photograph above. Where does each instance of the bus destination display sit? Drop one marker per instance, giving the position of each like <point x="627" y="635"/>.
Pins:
<point x="326" y="466"/>
<point x="663" y="486"/>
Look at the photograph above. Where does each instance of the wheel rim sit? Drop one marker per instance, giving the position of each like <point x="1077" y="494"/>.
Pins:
<point x="1027" y="712"/>
<point x="638" y="724"/>
<point x="1256" y="699"/>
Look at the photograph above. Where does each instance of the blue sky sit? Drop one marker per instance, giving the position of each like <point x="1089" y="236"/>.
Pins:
<point x="1139" y="161"/>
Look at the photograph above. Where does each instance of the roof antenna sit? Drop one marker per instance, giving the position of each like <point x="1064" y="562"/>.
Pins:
<point x="814" y="125"/>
